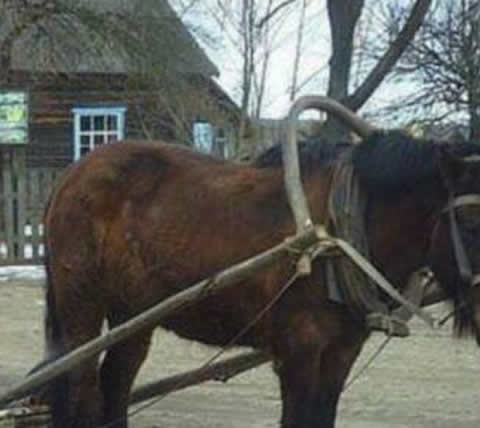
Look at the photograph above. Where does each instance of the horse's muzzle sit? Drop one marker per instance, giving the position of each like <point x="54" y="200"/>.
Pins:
<point x="475" y="281"/>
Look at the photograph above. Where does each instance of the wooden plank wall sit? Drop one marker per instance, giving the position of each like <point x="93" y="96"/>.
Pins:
<point x="24" y="194"/>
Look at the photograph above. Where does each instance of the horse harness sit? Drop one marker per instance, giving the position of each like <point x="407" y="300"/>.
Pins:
<point x="463" y="262"/>
<point x="454" y="202"/>
<point x="360" y="293"/>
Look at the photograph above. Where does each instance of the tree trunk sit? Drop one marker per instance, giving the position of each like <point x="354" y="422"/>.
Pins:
<point x="248" y="65"/>
<point x="473" y="87"/>
<point x="474" y="111"/>
<point x="343" y="17"/>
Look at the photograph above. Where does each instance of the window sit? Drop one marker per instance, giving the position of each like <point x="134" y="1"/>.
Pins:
<point x="13" y="117"/>
<point x="222" y="143"/>
<point x="203" y="136"/>
<point x="208" y="139"/>
<point x="94" y="126"/>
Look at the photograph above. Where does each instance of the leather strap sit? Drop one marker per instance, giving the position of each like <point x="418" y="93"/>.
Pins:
<point x="463" y="263"/>
<point x="463" y="200"/>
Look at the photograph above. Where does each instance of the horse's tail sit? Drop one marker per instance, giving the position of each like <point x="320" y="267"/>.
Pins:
<point x="57" y="391"/>
<point x="53" y="334"/>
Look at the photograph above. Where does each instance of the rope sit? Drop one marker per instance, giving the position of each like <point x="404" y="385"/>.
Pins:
<point x="368" y="363"/>
<point x="232" y="342"/>
<point x="382" y="346"/>
<point x="450" y="314"/>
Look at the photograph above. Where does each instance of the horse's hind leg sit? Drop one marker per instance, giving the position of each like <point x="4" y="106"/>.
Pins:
<point x="119" y="369"/>
<point x="76" y="398"/>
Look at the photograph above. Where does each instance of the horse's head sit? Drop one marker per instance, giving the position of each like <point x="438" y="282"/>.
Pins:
<point x="455" y="245"/>
<point x="454" y="196"/>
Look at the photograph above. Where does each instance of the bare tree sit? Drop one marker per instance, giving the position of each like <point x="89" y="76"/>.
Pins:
<point x="444" y="64"/>
<point x="260" y="76"/>
<point x="343" y="18"/>
<point x="298" y="49"/>
<point x="250" y="28"/>
<point x="392" y="55"/>
<point x="254" y="29"/>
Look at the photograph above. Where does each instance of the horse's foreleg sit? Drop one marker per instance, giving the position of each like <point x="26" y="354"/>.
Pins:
<point x="118" y="371"/>
<point x="86" y="405"/>
<point x="312" y="378"/>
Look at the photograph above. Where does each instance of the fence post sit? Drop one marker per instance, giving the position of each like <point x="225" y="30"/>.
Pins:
<point x="13" y="198"/>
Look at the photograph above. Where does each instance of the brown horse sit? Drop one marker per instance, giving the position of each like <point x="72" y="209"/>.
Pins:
<point x="136" y="222"/>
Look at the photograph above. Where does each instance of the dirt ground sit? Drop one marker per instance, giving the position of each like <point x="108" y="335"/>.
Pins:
<point x="429" y="380"/>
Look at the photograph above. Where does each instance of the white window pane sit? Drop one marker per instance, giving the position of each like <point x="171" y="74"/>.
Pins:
<point x="203" y="136"/>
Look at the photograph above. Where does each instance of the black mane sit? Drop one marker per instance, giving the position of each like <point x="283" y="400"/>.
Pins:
<point x="312" y="153"/>
<point x="386" y="162"/>
<point x="393" y="162"/>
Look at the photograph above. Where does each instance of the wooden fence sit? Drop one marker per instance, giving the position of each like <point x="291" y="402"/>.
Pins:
<point x="23" y="195"/>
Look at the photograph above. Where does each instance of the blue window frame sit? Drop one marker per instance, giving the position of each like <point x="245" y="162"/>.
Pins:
<point x="95" y="126"/>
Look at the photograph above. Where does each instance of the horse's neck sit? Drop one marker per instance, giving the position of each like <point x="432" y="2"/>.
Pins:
<point x="399" y="234"/>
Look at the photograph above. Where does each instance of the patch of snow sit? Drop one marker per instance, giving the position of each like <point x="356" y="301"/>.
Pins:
<point x="22" y="272"/>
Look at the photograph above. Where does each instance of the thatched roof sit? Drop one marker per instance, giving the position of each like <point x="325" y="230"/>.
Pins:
<point x="105" y="36"/>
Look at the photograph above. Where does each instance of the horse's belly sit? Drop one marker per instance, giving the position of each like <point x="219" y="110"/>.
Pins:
<point x="207" y="323"/>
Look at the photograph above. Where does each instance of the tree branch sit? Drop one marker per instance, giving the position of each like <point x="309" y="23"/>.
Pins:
<point x="273" y="12"/>
<point x="384" y="66"/>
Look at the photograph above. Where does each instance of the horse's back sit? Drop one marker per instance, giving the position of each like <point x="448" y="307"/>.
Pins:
<point x="127" y="170"/>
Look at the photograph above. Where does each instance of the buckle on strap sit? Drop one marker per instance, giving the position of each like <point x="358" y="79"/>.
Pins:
<point x="390" y="325"/>
<point x="463" y="263"/>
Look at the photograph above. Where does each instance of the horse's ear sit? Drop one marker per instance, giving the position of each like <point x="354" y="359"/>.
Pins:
<point x="451" y="167"/>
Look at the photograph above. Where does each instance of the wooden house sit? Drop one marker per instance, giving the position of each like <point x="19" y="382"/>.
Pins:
<point x="101" y="71"/>
<point x="78" y="74"/>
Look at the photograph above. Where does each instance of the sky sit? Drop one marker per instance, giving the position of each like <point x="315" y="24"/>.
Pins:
<point x="313" y="63"/>
<point x="314" y="60"/>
